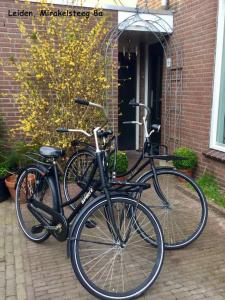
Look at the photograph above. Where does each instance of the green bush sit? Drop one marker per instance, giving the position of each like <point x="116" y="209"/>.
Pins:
<point x="121" y="163"/>
<point x="2" y="139"/>
<point x="61" y="61"/>
<point x="190" y="161"/>
<point x="211" y="189"/>
<point x="14" y="158"/>
<point x="3" y="171"/>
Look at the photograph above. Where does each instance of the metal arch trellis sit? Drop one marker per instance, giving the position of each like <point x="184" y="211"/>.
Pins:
<point x="172" y="95"/>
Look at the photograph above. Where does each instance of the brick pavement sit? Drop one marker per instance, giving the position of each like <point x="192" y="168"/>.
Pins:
<point x="42" y="271"/>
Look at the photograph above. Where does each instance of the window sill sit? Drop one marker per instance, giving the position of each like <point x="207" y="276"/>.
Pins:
<point x="215" y="154"/>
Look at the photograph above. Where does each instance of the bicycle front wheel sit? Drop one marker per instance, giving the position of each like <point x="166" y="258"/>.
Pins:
<point x="104" y="266"/>
<point x="185" y="216"/>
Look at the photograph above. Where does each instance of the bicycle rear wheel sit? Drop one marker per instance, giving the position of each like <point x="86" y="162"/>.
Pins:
<point x="77" y="172"/>
<point x="32" y="184"/>
<point x="104" y="266"/>
<point x="184" y="219"/>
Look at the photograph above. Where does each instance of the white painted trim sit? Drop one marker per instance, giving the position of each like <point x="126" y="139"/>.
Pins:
<point x="137" y="98"/>
<point x="217" y="77"/>
<point x="164" y="3"/>
<point x="162" y="23"/>
<point x="98" y="4"/>
<point x="146" y="77"/>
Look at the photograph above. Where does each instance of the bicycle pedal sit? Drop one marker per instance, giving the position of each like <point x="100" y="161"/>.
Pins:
<point x="37" y="229"/>
<point x="90" y="224"/>
<point x="51" y="228"/>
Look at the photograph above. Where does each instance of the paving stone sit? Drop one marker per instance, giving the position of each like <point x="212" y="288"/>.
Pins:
<point x="10" y="271"/>
<point x="10" y="287"/>
<point x="20" y="278"/>
<point x="11" y="298"/>
<point x="2" y="279"/>
<point x="21" y="292"/>
<point x="30" y="271"/>
<point x="2" y="292"/>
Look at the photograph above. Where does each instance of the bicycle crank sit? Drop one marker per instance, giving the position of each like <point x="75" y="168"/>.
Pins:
<point x="49" y="219"/>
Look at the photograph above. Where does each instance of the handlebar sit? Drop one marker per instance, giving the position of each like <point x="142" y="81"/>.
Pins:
<point x="132" y="122"/>
<point x="61" y="130"/>
<point x="147" y="113"/>
<point x="133" y="102"/>
<point x="100" y="133"/>
<point x="81" y="101"/>
<point x="104" y="133"/>
<point x="87" y="103"/>
<point x="156" y="127"/>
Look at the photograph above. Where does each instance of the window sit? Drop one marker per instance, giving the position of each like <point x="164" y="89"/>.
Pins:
<point x="218" y="110"/>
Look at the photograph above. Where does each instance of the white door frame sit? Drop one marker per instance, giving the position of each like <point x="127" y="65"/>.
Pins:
<point x="146" y="77"/>
<point x="137" y="98"/>
<point x="146" y="74"/>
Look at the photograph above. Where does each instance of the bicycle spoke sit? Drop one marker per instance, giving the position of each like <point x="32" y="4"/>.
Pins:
<point x="95" y="242"/>
<point x="98" y="258"/>
<point x="106" y="220"/>
<point x="102" y="268"/>
<point x="118" y="268"/>
<point x="113" y="258"/>
<point x="183" y="221"/>
<point x="98" y="237"/>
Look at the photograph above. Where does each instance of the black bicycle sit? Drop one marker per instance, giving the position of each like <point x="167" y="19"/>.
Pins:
<point x="111" y="258"/>
<point x="175" y="198"/>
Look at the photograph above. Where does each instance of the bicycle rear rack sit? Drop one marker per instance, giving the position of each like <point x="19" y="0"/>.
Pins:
<point x="42" y="159"/>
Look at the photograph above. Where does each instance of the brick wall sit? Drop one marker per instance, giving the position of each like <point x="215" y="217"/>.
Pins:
<point x="11" y="43"/>
<point x="195" y="29"/>
<point x="195" y="25"/>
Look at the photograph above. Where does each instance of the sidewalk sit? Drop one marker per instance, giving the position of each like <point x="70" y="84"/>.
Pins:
<point x="42" y="271"/>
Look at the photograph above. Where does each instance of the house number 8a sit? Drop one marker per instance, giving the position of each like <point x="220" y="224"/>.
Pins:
<point x="98" y="13"/>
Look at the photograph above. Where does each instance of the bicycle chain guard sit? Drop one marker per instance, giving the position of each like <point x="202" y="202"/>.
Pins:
<point x="57" y="226"/>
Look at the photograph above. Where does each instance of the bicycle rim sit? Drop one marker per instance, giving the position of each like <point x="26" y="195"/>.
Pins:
<point x="185" y="218"/>
<point x="76" y="174"/>
<point x="106" y="269"/>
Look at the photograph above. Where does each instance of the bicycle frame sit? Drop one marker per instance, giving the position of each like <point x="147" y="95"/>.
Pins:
<point x="137" y="167"/>
<point x="89" y="189"/>
<point x="58" y="206"/>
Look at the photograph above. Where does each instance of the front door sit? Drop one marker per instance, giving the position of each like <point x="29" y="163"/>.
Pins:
<point x="127" y="91"/>
<point x="155" y="86"/>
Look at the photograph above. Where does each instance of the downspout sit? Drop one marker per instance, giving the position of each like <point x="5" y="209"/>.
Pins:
<point x="164" y="4"/>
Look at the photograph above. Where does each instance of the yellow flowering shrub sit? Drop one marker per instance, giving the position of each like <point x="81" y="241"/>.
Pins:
<point x="62" y="61"/>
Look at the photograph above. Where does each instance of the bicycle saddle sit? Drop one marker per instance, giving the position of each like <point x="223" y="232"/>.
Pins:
<point x="51" y="151"/>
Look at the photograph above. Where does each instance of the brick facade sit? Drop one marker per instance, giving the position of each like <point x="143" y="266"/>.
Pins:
<point x="195" y="29"/>
<point x="195" y="25"/>
<point x="11" y="44"/>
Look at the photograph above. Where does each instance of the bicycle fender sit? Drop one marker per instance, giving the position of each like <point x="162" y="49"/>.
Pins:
<point x="76" y="219"/>
<point x="165" y="168"/>
<point x="46" y="172"/>
<point x="42" y="168"/>
<point x="142" y="177"/>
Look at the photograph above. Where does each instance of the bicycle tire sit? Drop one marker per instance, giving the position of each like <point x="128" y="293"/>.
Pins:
<point x="80" y="242"/>
<point x="185" y="220"/>
<point x="71" y="175"/>
<point x="32" y="183"/>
